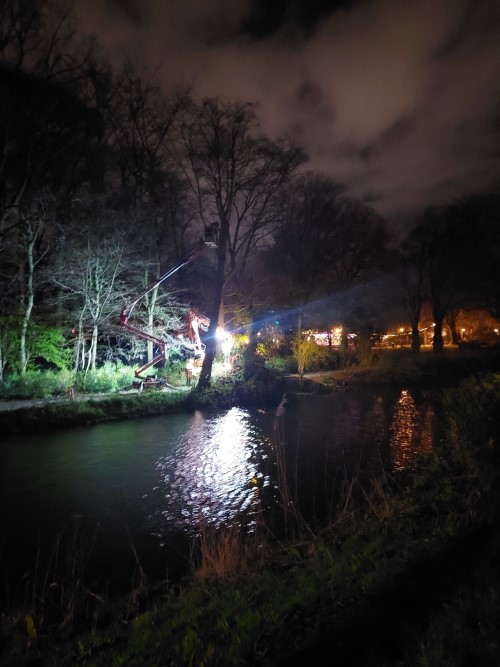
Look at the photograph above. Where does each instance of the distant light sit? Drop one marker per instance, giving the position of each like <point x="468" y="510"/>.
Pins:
<point x="401" y="330"/>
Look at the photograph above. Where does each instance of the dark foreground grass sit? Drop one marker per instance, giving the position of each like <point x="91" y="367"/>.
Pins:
<point x="411" y="577"/>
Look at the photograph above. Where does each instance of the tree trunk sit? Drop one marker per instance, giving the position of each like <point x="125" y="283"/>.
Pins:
<point x="2" y="361"/>
<point x="93" y="347"/>
<point x="79" y="344"/>
<point x="415" y="337"/>
<point x="451" y="319"/>
<point x="344" y="341"/>
<point x="437" y="341"/>
<point x="151" y="304"/>
<point x="29" y="304"/>
<point x="151" y="300"/>
<point x="208" y="360"/>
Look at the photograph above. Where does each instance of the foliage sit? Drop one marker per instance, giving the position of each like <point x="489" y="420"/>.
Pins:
<point x="36" y="384"/>
<point x="227" y="392"/>
<point x="281" y="365"/>
<point x="44" y="384"/>
<point x="109" y="378"/>
<point x="271" y="341"/>
<point x="9" y="343"/>
<point x="50" y="346"/>
<point x="323" y="358"/>
<point x="303" y="349"/>
<point x="46" y="345"/>
<point x="472" y="419"/>
<point x="174" y="372"/>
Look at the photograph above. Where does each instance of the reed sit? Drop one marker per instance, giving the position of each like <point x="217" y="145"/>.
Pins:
<point x="219" y="552"/>
<point x="287" y="478"/>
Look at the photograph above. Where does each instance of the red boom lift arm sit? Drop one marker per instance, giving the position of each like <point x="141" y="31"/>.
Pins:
<point x="140" y="333"/>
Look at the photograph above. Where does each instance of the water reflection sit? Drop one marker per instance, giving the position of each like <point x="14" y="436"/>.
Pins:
<point x="153" y="481"/>
<point x="411" y="431"/>
<point x="213" y="474"/>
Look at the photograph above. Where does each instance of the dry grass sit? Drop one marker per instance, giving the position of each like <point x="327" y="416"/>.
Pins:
<point x="222" y="552"/>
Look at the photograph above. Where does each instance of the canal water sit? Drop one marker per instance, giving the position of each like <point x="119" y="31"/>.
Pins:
<point x="120" y="494"/>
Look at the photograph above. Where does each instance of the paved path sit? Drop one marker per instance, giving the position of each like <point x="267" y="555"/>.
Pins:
<point x="17" y="405"/>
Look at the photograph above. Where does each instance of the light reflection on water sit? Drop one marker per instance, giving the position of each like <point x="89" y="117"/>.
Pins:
<point x="411" y="431"/>
<point x="161" y="477"/>
<point x="216" y="471"/>
<point x="213" y="475"/>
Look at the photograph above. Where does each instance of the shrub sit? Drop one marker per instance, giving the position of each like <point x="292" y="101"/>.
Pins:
<point x="36" y="384"/>
<point x="49" y="346"/>
<point x="323" y="358"/>
<point x="219" y="395"/>
<point x="281" y="365"/>
<point x="110" y="378"/>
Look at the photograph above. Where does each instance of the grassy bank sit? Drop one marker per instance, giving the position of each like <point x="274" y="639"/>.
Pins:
<point x="87" y="409"/>
<point x="405" y="573"/>
<point x="403" y="368"/>
<point x="100" y="397"/>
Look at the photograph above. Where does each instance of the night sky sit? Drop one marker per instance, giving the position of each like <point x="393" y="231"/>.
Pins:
<point x="399" y="100"/>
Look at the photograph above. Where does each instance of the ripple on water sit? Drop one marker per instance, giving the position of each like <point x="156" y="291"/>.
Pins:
<point x="213" y="475"/>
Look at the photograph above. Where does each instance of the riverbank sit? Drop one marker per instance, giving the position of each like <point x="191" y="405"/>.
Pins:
<point x="405" y="369"/>
<point x="408" y="563"/>
<point x="82" y="409"/>
<point x="394" y="368"/>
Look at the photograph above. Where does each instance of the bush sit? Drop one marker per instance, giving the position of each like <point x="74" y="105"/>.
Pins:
<point x="219" y="395"/>
<point x="175" y="372"/>
<point x="281" y="365"/>
<point x="46" y="384"/>
<point x="36" y="384"/>
<point x="323" y="358"/>
<point x="110" y="378"/>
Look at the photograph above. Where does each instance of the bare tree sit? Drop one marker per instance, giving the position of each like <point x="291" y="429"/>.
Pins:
<point x="20" y="30"/>
<point x="45" y="124"/>
<point x="31" y="234"/>
<point x="414" y="255"/>
<point x="325" y="245"/>
<point x="233" y="174"/>
<point x="155" y="200"/>
<point x="89" y="276"/>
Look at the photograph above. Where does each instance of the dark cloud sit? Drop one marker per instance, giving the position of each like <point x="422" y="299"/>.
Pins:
<point x="268" y="17"/>
<point x="398" y="100"/>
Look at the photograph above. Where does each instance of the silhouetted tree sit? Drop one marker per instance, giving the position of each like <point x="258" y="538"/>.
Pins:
<point x="326" y="243"/>
<point x="462" y="257"/>
<point x="233" y="174"/>
<point x="414" y="255"/>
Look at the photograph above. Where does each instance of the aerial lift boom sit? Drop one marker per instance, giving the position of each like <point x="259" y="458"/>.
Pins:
<point x="159" y="342"/>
